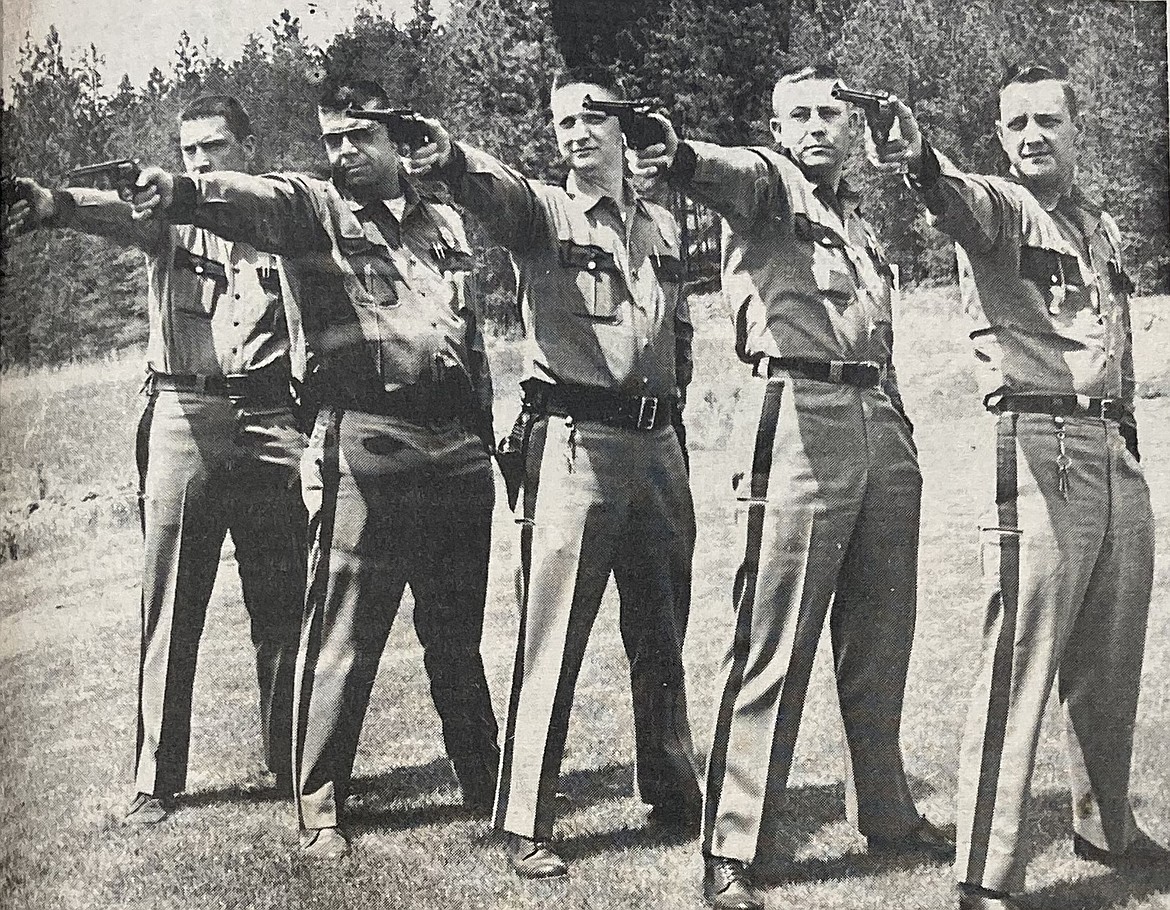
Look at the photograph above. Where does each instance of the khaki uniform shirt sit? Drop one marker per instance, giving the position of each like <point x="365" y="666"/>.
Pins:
<point x="803" y="272"/>
<point x="215" y="307"/>
<point x="385" y="297"/>
<point x="1046" y="290"/>
<point x="600" y="280"/>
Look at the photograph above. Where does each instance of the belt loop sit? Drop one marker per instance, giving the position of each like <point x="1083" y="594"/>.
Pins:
<point x="836" y="370"/>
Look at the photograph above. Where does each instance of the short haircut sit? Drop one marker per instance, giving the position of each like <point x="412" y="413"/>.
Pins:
<point x="589" y="75"/>
<point x="1028" y="73"/>
<point x="226" y="106"/>
<point x="801" y="74"/>
<point x="339" y="94"/>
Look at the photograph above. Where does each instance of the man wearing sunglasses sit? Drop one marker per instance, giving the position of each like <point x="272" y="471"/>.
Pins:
<point x="397" y="476"/>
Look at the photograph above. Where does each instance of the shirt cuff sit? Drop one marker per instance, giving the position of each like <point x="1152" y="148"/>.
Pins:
<point x="64" y="205"/>
<point x="182" y="209"/>
<point x="928" y="173"/>
<point x="452" y="172"/>
<point x="682" y="168"/>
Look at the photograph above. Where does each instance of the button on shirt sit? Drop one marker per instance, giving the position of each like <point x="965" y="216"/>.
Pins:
<point x="215" y="307"/>
<point x="383" y="283"/>
<point x="600" y="279"/>
<point x="802" y="271"/>
<point x="1045" y="289"/>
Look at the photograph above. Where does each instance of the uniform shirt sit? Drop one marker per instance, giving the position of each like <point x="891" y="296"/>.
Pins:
<point x="1046" y="290"/>
<point x="600" y="280"/>
<point x="803" y="272"/>
<point x="215" y="307"/>
<point x="385" y="294"/>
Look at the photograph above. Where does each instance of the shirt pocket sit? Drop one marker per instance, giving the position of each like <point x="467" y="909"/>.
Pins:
<point x="200" y="282"/>
<point x="831" y="270"/>
<point x="599" y="281"/>
<point x="1057" y="276"/>
<point x="377" y="274"/>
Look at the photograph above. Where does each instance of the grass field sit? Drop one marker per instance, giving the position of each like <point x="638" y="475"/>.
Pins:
<point x="69" y="644"/>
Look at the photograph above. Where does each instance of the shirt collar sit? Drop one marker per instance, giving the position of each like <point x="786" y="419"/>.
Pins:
<point x="409" y="193"/>
<point x="587" y="199"/>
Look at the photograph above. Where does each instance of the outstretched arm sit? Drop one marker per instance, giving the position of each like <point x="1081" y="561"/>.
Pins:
<point x="278" y="213"/>
<point x="100" y="212"/>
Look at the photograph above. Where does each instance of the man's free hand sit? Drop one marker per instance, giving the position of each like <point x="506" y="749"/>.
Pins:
<point x="902" y="150"/>
<point x="32" y="205"/>
<point x="655" y="160"/>
<point x="153" y="194"/>
<point x="435" y="155"/>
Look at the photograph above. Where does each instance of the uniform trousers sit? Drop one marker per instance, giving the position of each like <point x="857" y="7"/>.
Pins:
<point x="392" y="502"/>
<point x="828" y="508"/>
<point x="208" y="465"/>
<point x="1068" y="566"/>
<point x="599" y="499"/>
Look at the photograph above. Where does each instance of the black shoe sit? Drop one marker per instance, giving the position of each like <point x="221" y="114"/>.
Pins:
<point x="972" y="897"/>
<point x="1142" y="853"/>
<point x="728" y="885"/>
<point x="677" y="817"/>
<point x="926" y="839"/>
<point x="534" y="858"/>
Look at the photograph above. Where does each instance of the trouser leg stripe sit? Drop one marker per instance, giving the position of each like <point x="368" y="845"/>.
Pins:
<point x="533" y="456"/>
<point x="744" y="595"/>
<point x="142" y="458"/>
<point x="994" y="733"/>
<point x="315" y="595"/>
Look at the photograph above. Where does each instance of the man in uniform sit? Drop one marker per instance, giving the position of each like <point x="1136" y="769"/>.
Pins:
<point x="1068" y="547"/>
<point x="607" y="358"/>
<point x="828" y="480"/>
<point x="218" y="450"/>
<point x="397" y="475"/>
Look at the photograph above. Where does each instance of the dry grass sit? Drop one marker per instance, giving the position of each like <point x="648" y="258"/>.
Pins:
<point x="68" y="650"/>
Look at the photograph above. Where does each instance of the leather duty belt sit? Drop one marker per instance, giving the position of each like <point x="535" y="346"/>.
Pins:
<point x="607" y="406"/>
<point x="262" y="385"/>
<point x="865" y="374"/>
<point x="1062" y="406"/>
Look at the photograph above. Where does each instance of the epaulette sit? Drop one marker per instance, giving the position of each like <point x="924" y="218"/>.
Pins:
<point x="433" y="191"/>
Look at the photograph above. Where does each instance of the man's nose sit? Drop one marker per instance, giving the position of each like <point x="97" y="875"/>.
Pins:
<point x="345" y="147"/>
<point x="1032" y="134"/>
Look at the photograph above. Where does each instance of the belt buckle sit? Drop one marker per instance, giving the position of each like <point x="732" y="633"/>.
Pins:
<point x="646" y="420"/>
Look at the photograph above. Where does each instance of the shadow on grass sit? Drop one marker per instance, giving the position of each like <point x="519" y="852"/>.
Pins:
<point x="1099" y="892"/>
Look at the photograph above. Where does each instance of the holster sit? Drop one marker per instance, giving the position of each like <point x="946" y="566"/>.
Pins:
<point x="512" y="453"/>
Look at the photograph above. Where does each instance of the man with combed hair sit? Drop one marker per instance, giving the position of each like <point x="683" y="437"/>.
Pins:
<point x="1068" y="547"/>
<point x="397" y="475"/>
<point x="218" y="450"/>
<point x="607" y="360"/>
<point x="826" y="477"/>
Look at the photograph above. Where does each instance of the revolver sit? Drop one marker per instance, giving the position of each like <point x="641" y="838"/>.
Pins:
<point x="403" y="124"/>
<point x="642" y="130"/>
<point x="121" y="174"/>
<point x="879" y="112"/>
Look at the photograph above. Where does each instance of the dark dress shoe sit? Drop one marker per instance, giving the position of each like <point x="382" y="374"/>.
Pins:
<point x="926" y="839"/>
<point x="728" y="885"/>
<point x="1142" y="853"/>
<point x="534" y="858"/>
<point x="973" y="898"/>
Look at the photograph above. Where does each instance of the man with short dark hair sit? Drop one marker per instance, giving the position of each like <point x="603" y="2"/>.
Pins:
<point x="607" y="359"/>
<point x="218" y="451"/>
<point x="826" y="477"/>
<point x="1068" y="547"/>
<point x="397" y="475"/>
